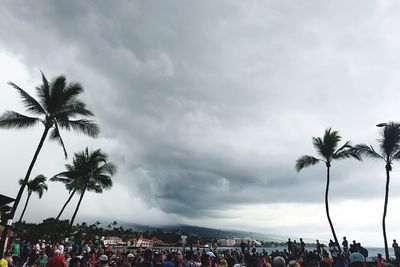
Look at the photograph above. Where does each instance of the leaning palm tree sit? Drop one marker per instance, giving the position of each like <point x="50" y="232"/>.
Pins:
<point x="327" y="150"/>
<point x="36" y="185"/>
<point x="57" y="107"/>
<point x="91" y="171"/>
<point x="389" y="146"/>
<point x="70" y="180"/>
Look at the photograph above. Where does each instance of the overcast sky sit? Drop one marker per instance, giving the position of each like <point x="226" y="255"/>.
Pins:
<point x="206" y="105"/>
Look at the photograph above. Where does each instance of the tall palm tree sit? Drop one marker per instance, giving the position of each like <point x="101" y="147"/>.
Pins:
<point x="327" y="149"/>
<point x="70" y="180"/>
<point x="92" y="172"/>
<point x="389" y="146"/>
<point x="36" y="185"/>
<point x="57" y="107"/>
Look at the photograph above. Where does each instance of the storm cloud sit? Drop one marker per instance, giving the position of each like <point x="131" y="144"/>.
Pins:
<point x="206" y="105"/>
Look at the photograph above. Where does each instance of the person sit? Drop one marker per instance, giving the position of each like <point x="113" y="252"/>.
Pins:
<point x="74" y="262"/>
<point x="278" y="261"/>
<point x="356" y="259"/>
<point x="379" y="260"/>
<point x="293" y="263"/>
<point x="147" y="259"/>
<point x="353" y="247"/>
<point x="345" y="245"/>
<point x="168" y="262"/>
<point x="6" y="261"/>
<point x="289" y="244"/>
<point x="103" y="261"/>
<point x="311" y="260"/>
<point x="362" y="250"/>
<point x="302" y="246"/>
<point x="129" y="260"/>
<point x="327" y="259"/>
<point x="41" y="260"/>
<point x="211" y="262"/>
<point x="396" y="249"/>
<point x="340" y="261"/>
<point x="243" y="246"/>
<point x="223" y="262"/>
<point x="295" y="248"/>
<point x="16" y="251"/>
<point x="319" y="248"/>
<point x="55" y="259"/>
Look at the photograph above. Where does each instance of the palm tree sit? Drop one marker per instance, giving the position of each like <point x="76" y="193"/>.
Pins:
<point x="91" y="172"/>
<point x="70" y="180"/>
<point x="36" y="185"/>
<point x="327" y="150"/>
<point x="389" y="145"/>
<point x="57" y="107"/>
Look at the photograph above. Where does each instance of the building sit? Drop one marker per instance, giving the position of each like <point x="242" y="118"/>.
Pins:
<point x="226" y="242"/>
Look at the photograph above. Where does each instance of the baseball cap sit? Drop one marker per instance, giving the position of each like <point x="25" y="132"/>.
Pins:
<point x="130" y="255"/>
<point x="356" y="257"/>
<point x="103" y="258"/>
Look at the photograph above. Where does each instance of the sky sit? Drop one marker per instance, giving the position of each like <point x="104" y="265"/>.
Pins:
<point x="206" y="105"/>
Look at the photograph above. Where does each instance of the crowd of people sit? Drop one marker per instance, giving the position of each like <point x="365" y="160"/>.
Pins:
<point x="47" y="254"/>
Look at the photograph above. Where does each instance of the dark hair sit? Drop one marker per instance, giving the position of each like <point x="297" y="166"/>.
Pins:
<point x="74" y="262"/>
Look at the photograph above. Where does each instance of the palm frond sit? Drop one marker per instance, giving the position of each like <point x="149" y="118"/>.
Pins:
<point x="57" y="87"/>
<point x="12" y="119"/>
<point x="87" y="127"/>
<point x="348" y="153"/>
<point x="390" y="139"/>
<point x="366" y="151"/>
<point x="331" y="140"/>
<point x="305" y="161"/>
<point x="29" y="102"/>
<point x="71" y="92"/>
<point x="73" y="110"/>
<point x="95" y="188"/>
<point x="60" y="179"/>
<point x="55" y="136"/>
<point x="396" y="156"/>
<point x="39" y="179"/>
<point x="319" y="145"/>
<point x="43" y="92"/>
<point x="109" y="168"/>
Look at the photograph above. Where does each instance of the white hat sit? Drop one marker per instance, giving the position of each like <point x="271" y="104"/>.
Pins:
<point x="103" y="258"/>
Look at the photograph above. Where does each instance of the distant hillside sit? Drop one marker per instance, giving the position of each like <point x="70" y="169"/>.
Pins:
<point x="206" y="232"/>
<point x="209" y="232"/>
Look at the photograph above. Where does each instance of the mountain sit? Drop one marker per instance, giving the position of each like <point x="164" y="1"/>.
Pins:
<point x="208" y="232"/>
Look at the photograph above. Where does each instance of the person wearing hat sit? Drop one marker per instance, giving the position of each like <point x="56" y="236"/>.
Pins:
<point x="102" y="261"/>
<point x="129" y="260"/>
<point x="356" y="259"/>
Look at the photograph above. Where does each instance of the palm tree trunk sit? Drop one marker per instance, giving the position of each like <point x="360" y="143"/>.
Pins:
<point x="21" y="190"/>
<point x="77" y="208"/>
<point x="384" y="213"/>
<point x="66" y="203"/>
<point x="327" y="207"/>
<point x="26" y="204"/>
